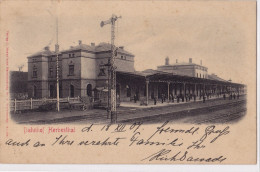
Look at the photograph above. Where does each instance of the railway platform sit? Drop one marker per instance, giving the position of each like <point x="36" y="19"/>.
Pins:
<point x="129" y="114"/>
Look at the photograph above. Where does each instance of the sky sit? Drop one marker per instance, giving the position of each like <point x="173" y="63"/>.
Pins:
<point x="221" y="34"/>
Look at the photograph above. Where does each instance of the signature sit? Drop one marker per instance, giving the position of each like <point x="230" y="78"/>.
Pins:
<point x="168" y="155"/>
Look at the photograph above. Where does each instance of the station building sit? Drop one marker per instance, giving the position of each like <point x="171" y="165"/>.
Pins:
<point x="83" y="72"/>
<point x="186" y="69"/>
<point x="81" y="69"/>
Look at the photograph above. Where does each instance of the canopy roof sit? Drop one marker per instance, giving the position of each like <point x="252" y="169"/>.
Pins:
<point x="158" y="76"/>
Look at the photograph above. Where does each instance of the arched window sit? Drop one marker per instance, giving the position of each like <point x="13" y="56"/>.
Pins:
<point x="71" y="91"/>
<point x="89" y="90"/>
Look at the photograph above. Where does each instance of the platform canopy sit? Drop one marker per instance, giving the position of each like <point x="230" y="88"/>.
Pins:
<point x="159" y="76"/>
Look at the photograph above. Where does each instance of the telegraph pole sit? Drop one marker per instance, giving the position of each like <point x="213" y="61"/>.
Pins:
<point x="111" y="72"/>
<point x="57" y="66"/>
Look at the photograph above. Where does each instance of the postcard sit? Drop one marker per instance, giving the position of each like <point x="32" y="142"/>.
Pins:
<point x="128" y="82"/>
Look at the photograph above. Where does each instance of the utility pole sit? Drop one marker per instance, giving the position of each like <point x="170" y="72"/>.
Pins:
<point x="111" y="109"/>
<point x="57" y="66"/>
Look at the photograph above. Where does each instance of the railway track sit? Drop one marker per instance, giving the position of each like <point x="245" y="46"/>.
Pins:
<point x="157" y="116"/>
<point x="194" y="113"/>
<point x="224" y="117"/>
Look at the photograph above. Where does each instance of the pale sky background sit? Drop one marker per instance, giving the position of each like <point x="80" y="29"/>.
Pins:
<point x="221" y="34"/>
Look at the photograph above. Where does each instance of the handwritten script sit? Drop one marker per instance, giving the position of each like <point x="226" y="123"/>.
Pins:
<point x="164" y="142"/>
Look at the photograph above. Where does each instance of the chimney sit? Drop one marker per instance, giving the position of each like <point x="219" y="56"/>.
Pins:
<point x="176" y="60"/>
<point x="190" y="60"/>
<point x="167" y="60"/>
<point x="200" y="62"/>
<point x="121" y="47"/>
<point x="92" y="44"/>
<point x="80" y="42"/>
<point x="47" y="48"/>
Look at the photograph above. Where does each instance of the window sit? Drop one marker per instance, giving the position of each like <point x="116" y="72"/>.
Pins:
<point x="102" y="71"/>
<point x="197" y="75"/>
<point x="71" y="91"/>
<point x="128" y="91"/>
<point x="52" y="89"/>
<point x="200" y="75"/>
<point x="34" y="91"/>
<point x="71" y="55"/>
<point x="123" y="57"/>
<point x="50" y="72"/>
<point x="89" y="90"/>
<point x="34" y="72"/>
<point x="71" y="69"/>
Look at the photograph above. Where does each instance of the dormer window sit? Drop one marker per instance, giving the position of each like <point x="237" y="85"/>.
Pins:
<point x="123" y="57"/>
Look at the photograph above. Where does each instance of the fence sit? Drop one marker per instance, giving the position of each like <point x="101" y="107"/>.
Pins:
<point x="18" y="105"/>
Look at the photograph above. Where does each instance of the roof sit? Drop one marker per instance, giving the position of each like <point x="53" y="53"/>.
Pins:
<point x="215" y="77"/>
<point x="102" y="47"/>
<point x="159" y="76"/>
<point x="183" y="64"/>
<point x="43" y="53"/>
<point x="107" y="47"/>
<point x="95" y="49"/>
<point x="81" y="47"/>
<point x="135" y="73"/>
<point x="152" y="71"/>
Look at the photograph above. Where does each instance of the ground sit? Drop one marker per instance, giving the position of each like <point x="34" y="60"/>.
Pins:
<point x="215" y="110"/>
